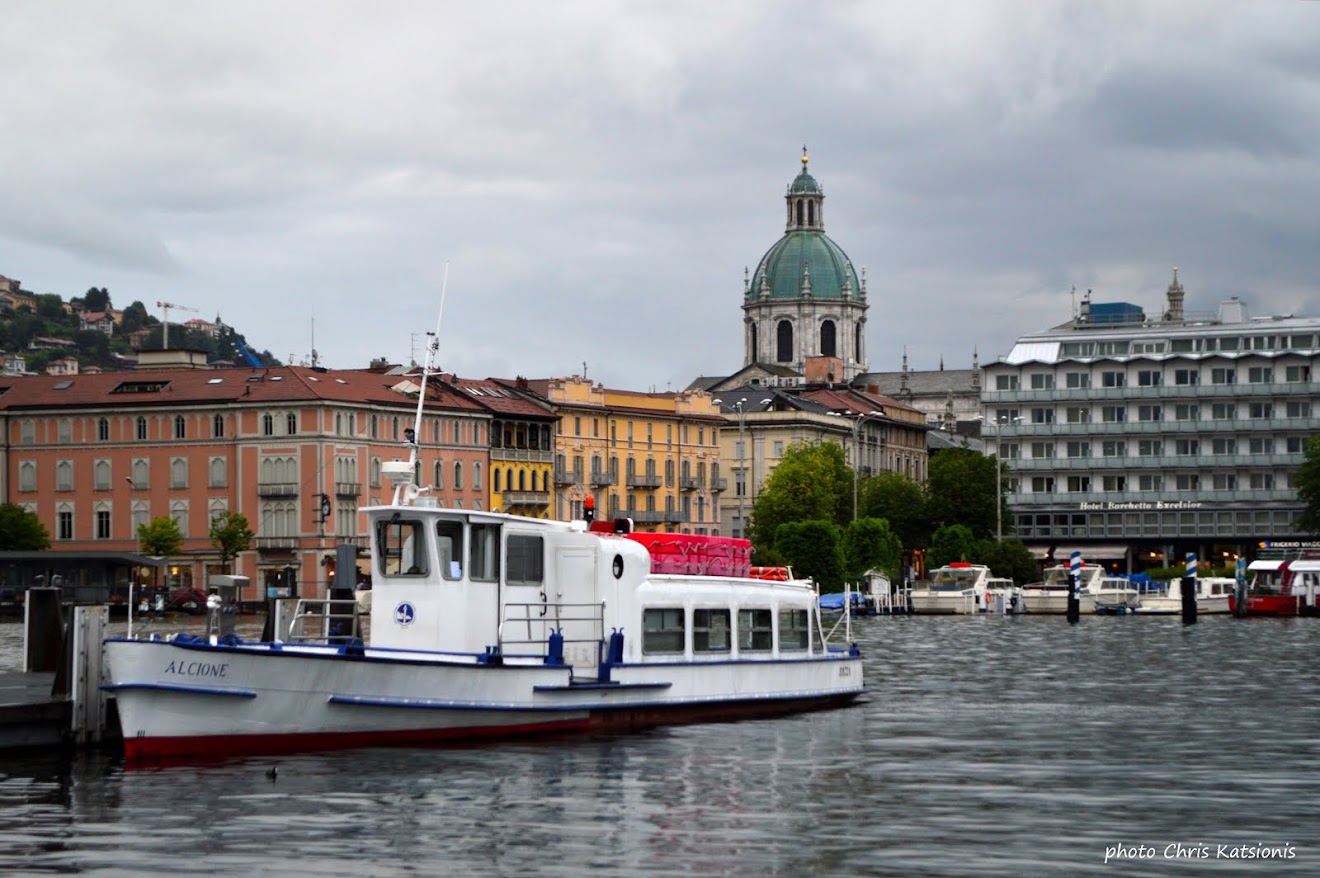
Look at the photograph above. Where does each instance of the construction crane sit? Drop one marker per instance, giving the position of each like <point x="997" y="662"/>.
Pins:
<point x="165" y="321"/>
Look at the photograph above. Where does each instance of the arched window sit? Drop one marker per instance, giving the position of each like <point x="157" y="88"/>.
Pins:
<point x="458" y="475"/>
<point x="218" y="426"/>
<point x="784" y="351"/>
<point x="267" y="425"/>
<point x="27" y="476"/>
<point x="799" y="213"/>
<point x="828" y="346"/>
<point x="495" y="480"/>
<point x="476" y="476"/>
<point x="811" y="221"/>
<point x="141" y="474"/>
<point x="755" y="344"/>
<point x="103" y="430"/>
<point x="64" y="476"/>
<point x="180" y="427"/>
<point x="219" y="475"/>
<point x="522" y="480"/>
<point x="857" y="343"/>
<point x="291" y="421"/>
<point x="439" y="474"/>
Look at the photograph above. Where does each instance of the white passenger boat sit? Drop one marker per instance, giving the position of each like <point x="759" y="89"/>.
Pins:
<point x="485" y="625"/>
<point x="1212" y="596"/>
<point x="955" y="588"/>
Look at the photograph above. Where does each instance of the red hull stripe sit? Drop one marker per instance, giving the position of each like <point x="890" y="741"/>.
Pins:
<point x="146" y="750"/>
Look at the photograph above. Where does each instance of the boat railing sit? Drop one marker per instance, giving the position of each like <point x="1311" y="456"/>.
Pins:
<point x="518" y="628"/>
<point x="321" y="619"/>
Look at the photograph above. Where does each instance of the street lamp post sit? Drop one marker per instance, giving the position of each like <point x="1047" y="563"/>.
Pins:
<point x="740" y="408"/>
<point x="857" y="445"/>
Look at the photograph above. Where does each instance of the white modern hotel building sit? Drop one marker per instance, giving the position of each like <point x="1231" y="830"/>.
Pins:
<point x="1138" y="439"/>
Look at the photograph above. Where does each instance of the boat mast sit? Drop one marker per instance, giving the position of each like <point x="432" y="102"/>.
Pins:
<point x="432" y="345"/>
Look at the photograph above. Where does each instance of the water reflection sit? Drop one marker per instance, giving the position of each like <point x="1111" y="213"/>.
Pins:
<point x="985" y="746"/>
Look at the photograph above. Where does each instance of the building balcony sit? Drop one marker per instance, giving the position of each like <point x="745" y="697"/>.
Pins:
<point x="276" y="544"/>
<point x="565" y="477"/>
<point x="672" y="516"/>
<point x="688" y="483"/>
<point x="602" y="479"/>
<point x="1064" y="395"/>
<point x="1139" y="501"/>
<point x="277" y="489"/>
<point x="1201" y="462"/>
<point x="348" y="489"/>
<point x="521" y="455"/>
<point x="718" y="485"/>
<point x="646" y="516"/>
<point x="526" y="498"/>
<point x="1240" y="426"/>
<point x="644" y="480"/>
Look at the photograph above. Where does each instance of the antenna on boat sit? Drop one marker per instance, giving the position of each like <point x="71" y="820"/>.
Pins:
<point x="410" y="435"/>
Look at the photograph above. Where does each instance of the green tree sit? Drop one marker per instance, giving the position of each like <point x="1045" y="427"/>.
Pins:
<point x="230" y="534"/>
<point x="159" y="537"/>
<point x="1010" y="558"/>
<point x="811" y="483"/>
<point x="93" y="345"/>
<point x="954" y="542"/>
<point x="960" y="489"/>
<point x="135" y="317"/>
<point x="51" y="307"/>
<point x="1307" y="480"/>
<point x="868" y="543"/>
<point x="97" y="299"/>
<point x="899" y="501"/>
<point x="812" y="548"/>
<point x="21" y="531"/>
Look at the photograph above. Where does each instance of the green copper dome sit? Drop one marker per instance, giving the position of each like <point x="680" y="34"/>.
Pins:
<point x="809" y="257"/>
<point x="805" y="183"/>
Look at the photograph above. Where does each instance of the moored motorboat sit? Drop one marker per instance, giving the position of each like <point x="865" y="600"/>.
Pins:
<point x="1098" y="591"/>
<point x="1213" y="596"/>
<point x="956" y="588"/>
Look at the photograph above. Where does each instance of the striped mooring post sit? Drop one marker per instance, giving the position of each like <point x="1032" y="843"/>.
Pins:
<point x="1189" y="591"/>
<point x="1074" y="598"/>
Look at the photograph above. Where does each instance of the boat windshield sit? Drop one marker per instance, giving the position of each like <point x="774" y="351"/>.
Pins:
<point x="955" y="577"/>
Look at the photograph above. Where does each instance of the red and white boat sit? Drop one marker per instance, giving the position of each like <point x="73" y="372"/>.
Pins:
<point x="1284" y="586"/>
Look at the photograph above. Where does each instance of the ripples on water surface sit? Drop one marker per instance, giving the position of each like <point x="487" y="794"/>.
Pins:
<point x="986" y="746"/>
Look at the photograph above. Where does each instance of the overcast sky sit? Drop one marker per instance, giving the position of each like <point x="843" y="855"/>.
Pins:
<point x="598" y="174"/>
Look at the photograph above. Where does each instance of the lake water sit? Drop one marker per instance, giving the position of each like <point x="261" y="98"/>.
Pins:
<point x="986" y="746"/>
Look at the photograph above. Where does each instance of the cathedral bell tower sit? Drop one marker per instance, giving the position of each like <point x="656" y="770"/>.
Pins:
<point x="805" y="300"/>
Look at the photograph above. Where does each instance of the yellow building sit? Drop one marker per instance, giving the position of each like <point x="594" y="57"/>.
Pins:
<point x="651" y="457"/>
<point x="522" y="445"/>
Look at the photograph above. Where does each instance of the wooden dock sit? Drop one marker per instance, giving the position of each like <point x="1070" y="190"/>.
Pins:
<point x="31" y="717"/>
<point x="57" y="699"/>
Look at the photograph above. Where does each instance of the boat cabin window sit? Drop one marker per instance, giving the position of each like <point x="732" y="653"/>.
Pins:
<point x="792" y="630"/>
<point x="484" y="565"/>
<point x="662" y="630"/>
<point x="449" y="548"/>
<point x="401" y="547"/>
<point x="755" y="630"/>
<point x="524" y="560"/>
<point x="710" y="631"/>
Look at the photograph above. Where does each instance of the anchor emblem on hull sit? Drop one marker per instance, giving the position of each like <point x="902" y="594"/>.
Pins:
<point x="404" y="614"/>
